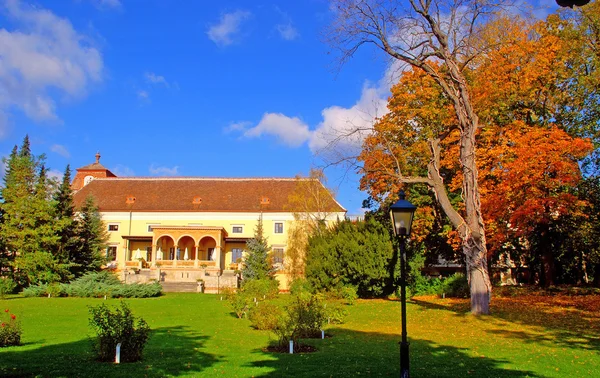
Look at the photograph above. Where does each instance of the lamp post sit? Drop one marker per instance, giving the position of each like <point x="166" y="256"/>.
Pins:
<point x="402" y="215"/>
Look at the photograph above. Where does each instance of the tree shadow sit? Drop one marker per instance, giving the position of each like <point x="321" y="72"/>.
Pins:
<point x="353" y="353"/>
<point x="170" y="351"/>
<point x="559" y="323"/>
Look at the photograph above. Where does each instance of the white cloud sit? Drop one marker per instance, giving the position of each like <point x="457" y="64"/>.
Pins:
<point x="286" y="28"/>
<point x="238" y="126"/>
<point x="43" y="54"/>
<point x="122" y="171"/>
<point x="287" y="31"/>
<point x="143" y="95"/>
<point x="153" y="78"/>
<point x="61" y="150"/>
<point x="56" y="175"/>
<point x="228" y="28"/>
<point x="289" y="130"/>
<point x="163" y="171"/>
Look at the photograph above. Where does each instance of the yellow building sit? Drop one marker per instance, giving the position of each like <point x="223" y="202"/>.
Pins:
<point x="186" y="229"/>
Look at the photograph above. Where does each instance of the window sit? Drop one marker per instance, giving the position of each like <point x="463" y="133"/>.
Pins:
<point x="149" y="253"/>
<point x="113" y="227"/>
<point x="279" y="227"/>
<point x="237" y="229"/>
<point x="111" y="253"/>
<point x="277" y="257"/>
<point x="236" y="255"/>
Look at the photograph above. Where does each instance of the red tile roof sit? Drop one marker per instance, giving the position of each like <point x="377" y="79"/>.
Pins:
<point x="192" y="194"/>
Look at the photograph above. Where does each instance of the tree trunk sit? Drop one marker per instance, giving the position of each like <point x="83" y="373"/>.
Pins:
<point x="479" y="279"/>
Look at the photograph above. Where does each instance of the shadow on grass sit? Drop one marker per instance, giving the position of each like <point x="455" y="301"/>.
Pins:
<point x="561" y="324"/>
<point x="352" y="353"/>
<point x="170" y="351"/>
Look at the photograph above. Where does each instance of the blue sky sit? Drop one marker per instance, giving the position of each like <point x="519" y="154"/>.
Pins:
<point x="183" y="88"/>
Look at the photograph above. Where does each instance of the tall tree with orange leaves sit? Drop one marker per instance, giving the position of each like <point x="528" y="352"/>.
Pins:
<point x="518" y="78"/>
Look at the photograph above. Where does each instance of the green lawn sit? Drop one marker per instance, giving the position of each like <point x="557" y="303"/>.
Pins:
<point x="196" y="335"/>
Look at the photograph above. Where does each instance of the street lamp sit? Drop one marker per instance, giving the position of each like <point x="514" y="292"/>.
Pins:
<point x="402" y="215"/>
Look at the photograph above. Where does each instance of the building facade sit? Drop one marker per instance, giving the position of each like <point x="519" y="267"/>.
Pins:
<point x="189" y="229"/>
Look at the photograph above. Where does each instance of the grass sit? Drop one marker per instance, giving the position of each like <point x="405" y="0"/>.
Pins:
<point x="197" y="335"/>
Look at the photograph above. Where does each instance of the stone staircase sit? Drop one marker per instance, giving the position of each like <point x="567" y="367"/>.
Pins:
<point x="179" y="287"/>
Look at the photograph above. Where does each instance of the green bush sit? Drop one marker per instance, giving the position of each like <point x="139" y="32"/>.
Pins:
<point x="118" y="326"/>
<point x="261" y="289"/>
<point x="7" y="286"/>
<point x="335" y="313"/>
<point x="35" y="290"/>
<point x="265" y="316"/>
<point x="96" y="285"/>
<point x="308" y="315"/>
<point x="240" y="303"/>
<point x="425" y="286"/>
<point x="303" y="317"/>
<point x="456" y="286"/>
<point x="10" y="330"/>
<point x="300" y="285"/>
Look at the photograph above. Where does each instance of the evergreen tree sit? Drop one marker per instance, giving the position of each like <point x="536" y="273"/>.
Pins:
<point x="256" y="264"/>
<point x="66" y="224"/>
<point x="92" y="238"/>
<point x="359" y="254"/>
<point x="6" y="255"/>
<point x="27" y="229"/>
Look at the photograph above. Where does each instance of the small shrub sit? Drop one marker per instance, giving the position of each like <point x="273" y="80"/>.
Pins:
<point x="456" y="286"/>
<point x="35" y="290"/>
<point x="424" y="286"/>
<point x="96" y="285"/>
<point x="10" y="330"/>
<point x="335" y="313"/>
<point x="54" y="290"/>
<point x="240" y="303"/>
<point x="261" y="289"/>
<point x="118" y="326"/>
<point x="348" y="293"/>
<point x="265" y="316"/>
<point x="308" y="315"/>
<point x="301" y="285"/>
<point x="7" y="286"/>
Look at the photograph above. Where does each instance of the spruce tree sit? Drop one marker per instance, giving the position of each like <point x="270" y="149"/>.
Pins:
<point x="66" y="224"/>
<point x="256" y="264"/>
<point x="92" y="238"/>
<point x="27" y="229"/>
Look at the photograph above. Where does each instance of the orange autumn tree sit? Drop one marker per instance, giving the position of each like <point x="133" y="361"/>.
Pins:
<point x="515" y="84"/>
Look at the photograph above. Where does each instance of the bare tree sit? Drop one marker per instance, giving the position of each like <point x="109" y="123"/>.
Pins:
<point x="440" y="38"/>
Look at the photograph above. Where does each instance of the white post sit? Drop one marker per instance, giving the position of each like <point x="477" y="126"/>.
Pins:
<point x="291" y="346"/>
<point x="322" y="334"/>
<point x="118" y="355"/>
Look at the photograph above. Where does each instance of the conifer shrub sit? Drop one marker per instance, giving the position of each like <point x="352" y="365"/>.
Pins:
<point x="118" y="326"/>
<point x="10" y="330"/>
<point x="96" y="285"/>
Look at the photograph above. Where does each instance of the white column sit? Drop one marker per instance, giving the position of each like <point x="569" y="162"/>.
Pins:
<point x="218" y="256"/>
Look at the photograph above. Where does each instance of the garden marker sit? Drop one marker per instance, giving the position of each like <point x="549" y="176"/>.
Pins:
<point x="291" y="346"/>
<point x="322" y="334"/>
<point x="118" y="354"/>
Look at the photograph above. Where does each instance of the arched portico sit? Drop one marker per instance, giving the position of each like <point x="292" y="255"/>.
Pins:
<point x="203" y="245"/>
